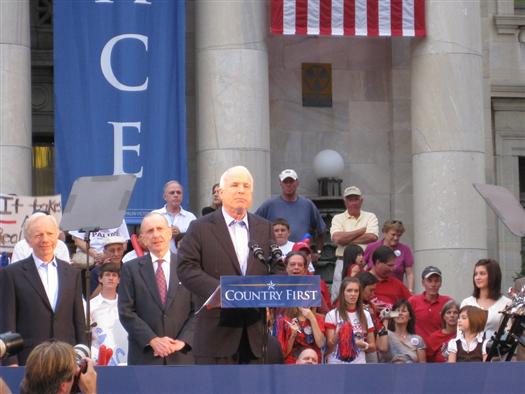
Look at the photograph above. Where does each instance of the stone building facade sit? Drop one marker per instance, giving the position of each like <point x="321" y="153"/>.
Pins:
<point x="417" y="121"/>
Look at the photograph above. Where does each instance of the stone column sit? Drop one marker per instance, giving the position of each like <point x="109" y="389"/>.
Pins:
<point x="15" y="97"/>
<point x="448" y="144"/>
<point x="232" y="104"/>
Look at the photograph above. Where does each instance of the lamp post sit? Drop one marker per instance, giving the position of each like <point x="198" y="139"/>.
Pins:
<point x="328" y="167"/>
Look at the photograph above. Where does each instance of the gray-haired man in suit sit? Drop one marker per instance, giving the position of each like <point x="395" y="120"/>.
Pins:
<point x="41" y="295"/>
<point x="154" y="307"/>
<point x="216" y="245"/>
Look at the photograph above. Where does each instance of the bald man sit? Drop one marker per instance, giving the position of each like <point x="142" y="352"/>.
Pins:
<point x="41" y="295"/>
<point x="154" y="307"/>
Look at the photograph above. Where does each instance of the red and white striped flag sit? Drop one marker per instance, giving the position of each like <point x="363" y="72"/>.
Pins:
<point x="349" y="17"/>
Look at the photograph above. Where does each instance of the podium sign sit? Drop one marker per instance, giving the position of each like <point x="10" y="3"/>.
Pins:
<point x="275" y="291"/>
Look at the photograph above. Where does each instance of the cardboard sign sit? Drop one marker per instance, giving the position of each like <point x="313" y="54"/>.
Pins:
<point x="15" y="210"/>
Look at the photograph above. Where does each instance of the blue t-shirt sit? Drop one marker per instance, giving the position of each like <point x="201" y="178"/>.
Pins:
<point x="302" y="215"/>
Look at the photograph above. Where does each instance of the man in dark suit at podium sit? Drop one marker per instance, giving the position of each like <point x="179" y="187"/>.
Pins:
<point x="216" y="245"/>
<point x="41" y="295"/>
<point x="154" y="307"/>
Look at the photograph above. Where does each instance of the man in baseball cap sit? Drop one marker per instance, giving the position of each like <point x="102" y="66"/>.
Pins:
<point x="114" y="248"/>
<point x="353" y="226"/>
<point x="427" y="305"/>
<point x="301" y="213"/>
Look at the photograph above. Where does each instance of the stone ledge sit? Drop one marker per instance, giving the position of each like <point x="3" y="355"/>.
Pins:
<point x="507" y="90"/>
<point x="509" y="24"/>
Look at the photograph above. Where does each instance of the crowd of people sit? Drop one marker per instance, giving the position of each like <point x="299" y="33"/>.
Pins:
<point x="143" y="303"/>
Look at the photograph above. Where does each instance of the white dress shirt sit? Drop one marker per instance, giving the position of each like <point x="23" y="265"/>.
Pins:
<point x="49" y="275"/>
<point x="165" y="266"/>
<point x="239" y="234"/>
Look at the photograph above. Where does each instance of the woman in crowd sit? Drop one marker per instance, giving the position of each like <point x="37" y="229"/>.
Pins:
<point x="215" y="201"/>
<point x="368" y="286"/>
<point x="401" y="344"/>
<point x="392" y="232"/>
<point x="471" y="342"/>
<point x="437" y="346"/>
<point x="353" y="260"/>
<point x="298" y="329"/>
<point x="349" y="328"/>
<point x="487" y="293"/>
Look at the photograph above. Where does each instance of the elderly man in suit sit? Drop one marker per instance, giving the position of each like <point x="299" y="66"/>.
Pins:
<point x="154" y="307"/>
<point x="41" y="295"/>
<point x="216" y="245"/>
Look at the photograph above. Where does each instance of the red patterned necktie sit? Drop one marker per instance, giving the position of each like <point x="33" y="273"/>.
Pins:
<point x="161" y="281"/>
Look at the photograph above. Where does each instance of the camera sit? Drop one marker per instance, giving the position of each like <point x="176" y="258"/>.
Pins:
<point x="81" y="353"/>
<point x="10" y="344"/>
<point x="387" y="313"/>
<point x="510" y="333"/>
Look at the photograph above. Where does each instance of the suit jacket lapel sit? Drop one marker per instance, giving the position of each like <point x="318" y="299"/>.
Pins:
<point x="34" y="280"/>
<point x="174" y="281"/>
<point x="61" y="280"/>
<point x="148" y="274"/>
<point x="254" y="234"/>
<point x="223" y="235"/>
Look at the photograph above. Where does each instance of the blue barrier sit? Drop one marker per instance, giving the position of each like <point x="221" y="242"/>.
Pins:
<point x="460" y="378"/>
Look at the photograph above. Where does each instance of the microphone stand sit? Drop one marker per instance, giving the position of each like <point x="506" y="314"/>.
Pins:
<point x="258" y="253"/>
<point x="87" y="278"/>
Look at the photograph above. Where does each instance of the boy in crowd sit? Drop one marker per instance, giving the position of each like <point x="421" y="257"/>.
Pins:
<point x="106" y="327"/>
<point x="281" y="233"/>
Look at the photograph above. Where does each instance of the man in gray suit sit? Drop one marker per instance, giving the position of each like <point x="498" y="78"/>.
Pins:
<point x="154" y="307"/>
<point x="216" y="245"/>
<point x="41" y="295"/>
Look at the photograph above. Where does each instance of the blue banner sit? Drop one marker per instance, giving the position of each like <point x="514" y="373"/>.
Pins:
<point x="120" y="95"/>
<point x="275" y="291"/>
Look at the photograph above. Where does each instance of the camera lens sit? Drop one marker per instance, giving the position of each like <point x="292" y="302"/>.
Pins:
<point x="10" y="344"/>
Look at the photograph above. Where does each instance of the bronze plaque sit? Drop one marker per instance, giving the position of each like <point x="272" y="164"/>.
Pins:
<point x="317" y="84"/>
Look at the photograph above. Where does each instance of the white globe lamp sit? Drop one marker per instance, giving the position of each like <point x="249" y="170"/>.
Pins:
<point x="328" y="167"/>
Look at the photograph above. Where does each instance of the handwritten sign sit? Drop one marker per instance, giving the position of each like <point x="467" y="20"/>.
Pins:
<point x="15" y="210"/>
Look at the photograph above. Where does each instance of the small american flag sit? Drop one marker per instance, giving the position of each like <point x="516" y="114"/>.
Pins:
<point x="405" y="18"/>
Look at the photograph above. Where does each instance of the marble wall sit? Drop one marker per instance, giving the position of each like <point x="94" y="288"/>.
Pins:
<point x="368" y="123"/>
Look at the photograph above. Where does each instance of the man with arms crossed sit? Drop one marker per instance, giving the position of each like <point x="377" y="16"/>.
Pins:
<point x="353" y="226"/>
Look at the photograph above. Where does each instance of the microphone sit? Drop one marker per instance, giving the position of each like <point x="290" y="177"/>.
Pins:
<point x="257" y="251"/>
<point x="275" y="252"/>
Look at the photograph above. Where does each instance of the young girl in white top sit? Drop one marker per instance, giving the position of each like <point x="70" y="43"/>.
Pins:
<point x="470" y="343"/>
<point x="349" y="328"/>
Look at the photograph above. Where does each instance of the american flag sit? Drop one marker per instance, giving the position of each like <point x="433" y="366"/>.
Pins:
<point x="387" y="18"/>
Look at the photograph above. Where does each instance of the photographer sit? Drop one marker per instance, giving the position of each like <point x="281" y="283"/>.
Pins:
<point x="52" y="368"/>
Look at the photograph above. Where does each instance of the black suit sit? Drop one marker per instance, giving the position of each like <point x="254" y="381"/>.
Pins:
<point x="144" y="317"/>
<point x="26" y="308"/>
<point x="206" y="253"/>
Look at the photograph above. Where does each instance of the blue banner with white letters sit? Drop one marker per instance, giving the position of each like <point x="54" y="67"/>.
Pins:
<point x="120" y="95"/>
<point x="275" y="291"/>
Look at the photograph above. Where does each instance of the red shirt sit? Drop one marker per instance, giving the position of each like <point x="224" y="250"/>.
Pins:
<point x="437" y="346"/>
<point x="390" y="290"/>
<point x="304" y="339"/>
<point x="326" y="302"/>
<point x="427" y="313"/>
